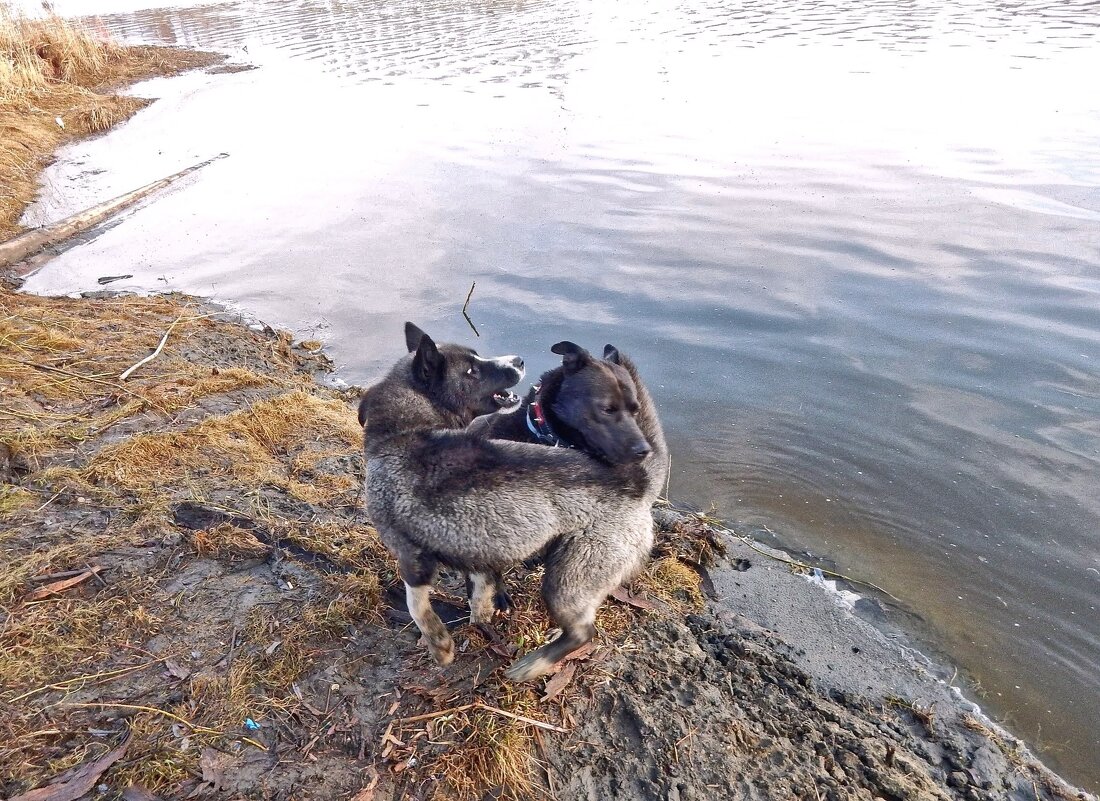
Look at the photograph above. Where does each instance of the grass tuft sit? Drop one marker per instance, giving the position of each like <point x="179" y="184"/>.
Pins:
<point x="50" y="70"/>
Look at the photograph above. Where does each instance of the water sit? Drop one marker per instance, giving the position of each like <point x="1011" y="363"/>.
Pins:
<point x="854" y="246"/>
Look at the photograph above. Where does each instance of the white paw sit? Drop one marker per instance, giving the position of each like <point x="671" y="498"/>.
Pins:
<point x="529" y="667"/>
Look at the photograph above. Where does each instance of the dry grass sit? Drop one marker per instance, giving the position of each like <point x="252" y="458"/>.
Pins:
<point x="247" y="448"/>
<point x="227" y="419"/>
<point x="65" y="636"/>
<point x="495" y="754"/>
<point x="13" y="499"/>
<point x="54" y="70"/>
<point x="60" y="363"/>
<point x="70" y="426"/>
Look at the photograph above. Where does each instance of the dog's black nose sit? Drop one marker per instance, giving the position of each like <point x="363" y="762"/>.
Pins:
<point x="641" y="450"/>
<point x="517" y="362"/>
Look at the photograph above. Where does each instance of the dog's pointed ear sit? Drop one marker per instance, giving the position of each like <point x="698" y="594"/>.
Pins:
<point x="413" y="335"/>
<point x="427" y="363"/>
<point x="611" y="354"/>
<point x="573" y="357"/>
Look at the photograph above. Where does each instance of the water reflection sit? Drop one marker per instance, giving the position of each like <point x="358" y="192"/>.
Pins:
<point x="853" y="246"/>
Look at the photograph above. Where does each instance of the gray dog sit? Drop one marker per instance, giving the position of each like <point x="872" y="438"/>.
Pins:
<point x="441" y="494"/>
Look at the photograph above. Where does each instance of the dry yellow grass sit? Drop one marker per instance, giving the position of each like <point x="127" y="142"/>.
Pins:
<point x="61" y="359"/>
<point x="496" y="756"/>
<point x="82" y="442"/>
<point x="247" y="449"/>
<point x="227" y="420"/>
<point x="64" y="636"/>
<point x="54" y="70"/>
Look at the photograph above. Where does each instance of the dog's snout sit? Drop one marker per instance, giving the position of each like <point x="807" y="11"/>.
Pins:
<point x="641" y="450"/>
<point x="517" y="362"/>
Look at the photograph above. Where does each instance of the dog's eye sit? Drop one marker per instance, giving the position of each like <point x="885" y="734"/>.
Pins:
<point x="473" y="372"/>
<point x="609" y="410"/>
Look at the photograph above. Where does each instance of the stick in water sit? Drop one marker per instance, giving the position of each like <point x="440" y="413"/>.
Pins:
<point x="469" y="295"/>
<point x="26" y="245"/>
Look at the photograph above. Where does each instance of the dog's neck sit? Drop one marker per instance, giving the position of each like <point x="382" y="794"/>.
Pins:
<point x="393" y="409"/>
<point x="543" y="424"/>
<point x="539" y="427"/>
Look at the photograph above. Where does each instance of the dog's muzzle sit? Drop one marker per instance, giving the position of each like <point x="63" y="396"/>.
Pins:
<point x="505" y="399"/>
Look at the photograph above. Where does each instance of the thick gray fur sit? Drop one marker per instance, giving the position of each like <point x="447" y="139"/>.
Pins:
<point x="440" y="494"/>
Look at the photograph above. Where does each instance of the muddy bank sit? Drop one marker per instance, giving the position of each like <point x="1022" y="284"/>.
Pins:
<point x="194" y="605"/>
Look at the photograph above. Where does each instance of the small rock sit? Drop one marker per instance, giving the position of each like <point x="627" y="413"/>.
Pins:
<point x="957" y="779"/>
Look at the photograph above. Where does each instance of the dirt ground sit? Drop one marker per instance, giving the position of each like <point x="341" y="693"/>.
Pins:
<point x="193" y="605"/>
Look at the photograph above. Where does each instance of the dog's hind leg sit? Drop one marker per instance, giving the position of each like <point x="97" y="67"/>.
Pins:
<point x="501" y="599"/>
<point x="418" y="573"/>
<point x="573" y="588"/>
<point x="577" y="622"/>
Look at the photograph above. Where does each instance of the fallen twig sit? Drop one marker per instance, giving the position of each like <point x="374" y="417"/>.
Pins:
<point x="539" y="723"/>
<point x="90" y="379"/>
<point x="29" y="243"/>
<point x="53" y="576"/>
<point x="429" y="715"/>
<point x="480" y="705"/>
<point x="156" y="711"/>
<point x="58" y="587"/>
<point x="47" y="503"/>
<point x="126" y="373"/>
<point x="82" y="680"/>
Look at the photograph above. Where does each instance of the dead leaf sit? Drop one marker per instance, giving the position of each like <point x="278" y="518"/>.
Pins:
<point x="367" y="793"/>
<point x="559" y="681"/>
<point x="706" y="583"/>
<point x="624" y="595"/>
<point x="213" y="766"/>
<point x="60" y="586"/>
<point x="176" y="669"/>
<point x="74" y="783"/>
<point x="581" y="653"/>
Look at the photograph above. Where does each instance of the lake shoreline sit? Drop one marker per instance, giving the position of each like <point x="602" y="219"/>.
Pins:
<point x="186" y="489"/>
<point x="214" y="501"/>
<point x="63" y="85"/>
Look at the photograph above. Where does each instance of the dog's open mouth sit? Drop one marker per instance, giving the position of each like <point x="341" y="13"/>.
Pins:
<point x="505" y="398"/>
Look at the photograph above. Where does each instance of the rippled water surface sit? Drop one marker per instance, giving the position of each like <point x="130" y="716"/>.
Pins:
<point x="854" y="246"/>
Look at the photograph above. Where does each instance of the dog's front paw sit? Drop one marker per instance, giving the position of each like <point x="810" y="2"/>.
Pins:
<point x="529" y="667"/>
<point x="481" y="613"/>
<point x="442" y="649"/>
